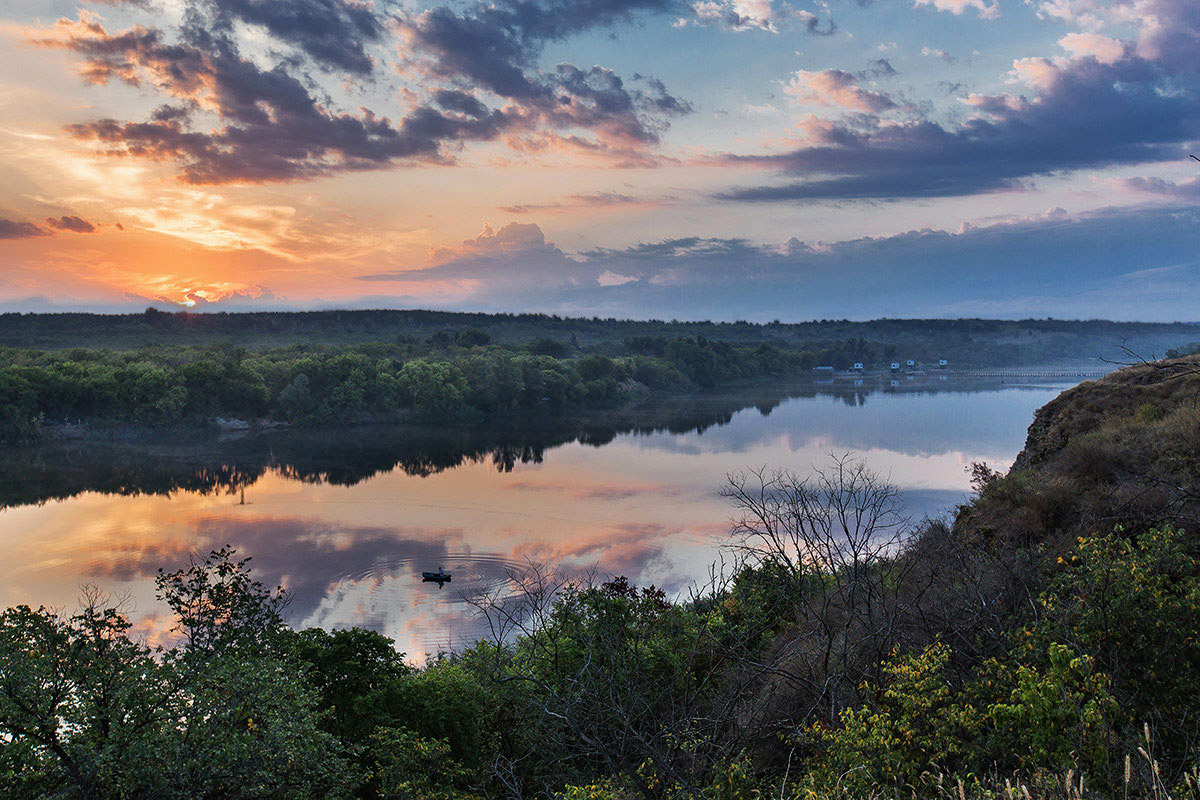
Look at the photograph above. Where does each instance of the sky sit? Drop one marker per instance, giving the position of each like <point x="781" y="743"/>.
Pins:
<point x="687" y="159"/>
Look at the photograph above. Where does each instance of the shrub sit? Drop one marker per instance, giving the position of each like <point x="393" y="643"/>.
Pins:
<point x="1129" y="601"/>
<point x="917" y="725"/>
<point x="1055" y="717"/>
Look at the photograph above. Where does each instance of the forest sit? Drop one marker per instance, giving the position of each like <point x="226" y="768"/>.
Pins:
<point x="1044" y="642"/>
<point x="322" y="368"/>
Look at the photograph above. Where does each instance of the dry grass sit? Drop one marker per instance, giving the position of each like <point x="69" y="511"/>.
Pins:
<point x="1120" y="451"/>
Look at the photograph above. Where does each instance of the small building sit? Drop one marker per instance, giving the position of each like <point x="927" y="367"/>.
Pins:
<point x="858" y="366"/>
<point x="942" y="364"/>
<point x="910" y="363"/>
<point x="895" y="366"/>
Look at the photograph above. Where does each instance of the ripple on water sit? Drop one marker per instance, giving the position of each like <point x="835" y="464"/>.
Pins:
<point x="473" y="575"/>
<point x="423" y="617"/>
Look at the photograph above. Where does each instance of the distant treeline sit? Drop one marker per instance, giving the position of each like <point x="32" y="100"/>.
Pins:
<point x="443" y="378"/>
<point x="987" y="342"/>
<point x="326" y="368"/>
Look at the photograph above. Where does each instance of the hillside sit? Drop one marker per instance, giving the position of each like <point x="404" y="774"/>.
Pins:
<point x="1122" y="450"/>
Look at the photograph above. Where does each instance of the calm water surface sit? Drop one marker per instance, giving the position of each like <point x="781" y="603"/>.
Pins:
<point x="349" y="524"/>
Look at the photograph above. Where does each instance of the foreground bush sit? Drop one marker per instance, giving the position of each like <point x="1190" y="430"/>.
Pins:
<point x="609" y="691"/>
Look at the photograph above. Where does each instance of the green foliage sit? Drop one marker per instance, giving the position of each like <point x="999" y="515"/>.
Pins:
<point x="87" y="712"/>
<point x="449" y="702"/>
<point x="411" y="767"/>
<point x="608" y="789"/>
<point x="544" y="346"/>
<point x="609" y="696"/>
<point x="918" y="724"/>
<point x="355" y="671"/>
<point x="1057" y="716"/>
<point x="473" y="338"/>
<point x="20" y="414"/>
<point x="450" y="377"/>
<point x="340" y="367"/>
<point x="734" y="779"/>
<point x="1128" y="601"/>
<point x="437" y="389"/>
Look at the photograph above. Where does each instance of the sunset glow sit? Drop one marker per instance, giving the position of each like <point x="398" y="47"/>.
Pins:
<point x="721" y="159"/>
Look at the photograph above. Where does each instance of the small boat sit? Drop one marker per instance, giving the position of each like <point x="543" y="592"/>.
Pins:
<point x="439" y="577"/>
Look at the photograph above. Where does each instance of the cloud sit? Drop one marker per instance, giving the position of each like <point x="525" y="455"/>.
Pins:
<point x="513" y="258"/>
<point x="1110" y="103"/>
<point x="1104" y="49"/>
<point x="71" y="223"/>
<point x="878" y="68"/>
<point x="834" y="87"/>
<point x="273" y="125"/>
<point x="515" y="237"/>
<point x="1121" y="263"/>
<point x="959" y="7"/>
<point x="16" y="229"/>
<point x="331" y="32"/>
<point x="201" y="296"/>
<point x="1086" y="115"/>
<point x="1186" y="191"/>
<point x="494" y="49"/>
<point x="595" y="200"/>
<point x="1051" y="264"/>
<point x="744" y="15"/>
<point x="939" y="54"/>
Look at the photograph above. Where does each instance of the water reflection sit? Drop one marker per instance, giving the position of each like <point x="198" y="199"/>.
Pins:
<point x="348" y="522"/>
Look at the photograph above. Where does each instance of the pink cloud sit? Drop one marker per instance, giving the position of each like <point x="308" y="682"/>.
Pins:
<point x="1104" y="49"/>
<point x="836" y="88"/>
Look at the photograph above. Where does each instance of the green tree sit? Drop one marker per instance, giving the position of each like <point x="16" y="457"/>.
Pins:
<point x="87" y="712"/>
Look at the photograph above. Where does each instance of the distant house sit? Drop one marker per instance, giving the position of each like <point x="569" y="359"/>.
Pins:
<point x="895" y="366"/>
<point x="942" y="364"/>
<point x="910" y="363"/>
<point x="858" y="366"/>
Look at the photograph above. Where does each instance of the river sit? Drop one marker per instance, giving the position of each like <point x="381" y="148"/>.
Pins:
<point x="348" y="520"/>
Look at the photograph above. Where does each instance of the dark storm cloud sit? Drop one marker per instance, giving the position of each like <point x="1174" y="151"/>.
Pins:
<point x="71" y="223"/>
<point x="15" y="229"/>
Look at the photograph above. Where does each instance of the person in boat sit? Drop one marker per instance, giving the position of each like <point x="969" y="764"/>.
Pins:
<point x="439" y="577"/>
